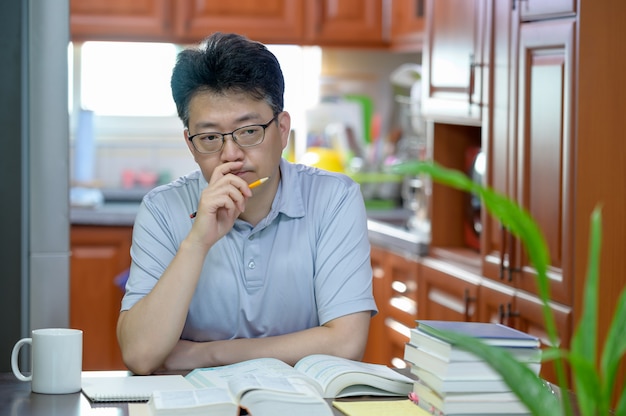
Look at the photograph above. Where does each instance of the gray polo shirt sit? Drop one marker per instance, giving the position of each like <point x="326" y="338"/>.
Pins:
<point x="305" y="264"/>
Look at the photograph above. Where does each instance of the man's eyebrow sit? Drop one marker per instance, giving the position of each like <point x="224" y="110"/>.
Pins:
<point x="250" y="117"/>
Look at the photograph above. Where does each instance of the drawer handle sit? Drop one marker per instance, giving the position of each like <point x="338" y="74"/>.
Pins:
<point x="467" y="300"/>
<point x="472" y="66"/>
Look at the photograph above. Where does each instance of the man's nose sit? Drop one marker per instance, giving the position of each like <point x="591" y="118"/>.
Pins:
<point x="231" y="150"/>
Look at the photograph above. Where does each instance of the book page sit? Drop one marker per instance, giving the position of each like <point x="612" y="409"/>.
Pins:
<point x="191" y="398"/>
<point x="262" y="373"/>
<point x="325" y="369"/>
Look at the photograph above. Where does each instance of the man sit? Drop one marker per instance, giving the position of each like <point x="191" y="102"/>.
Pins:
<point x="281" y="270"/>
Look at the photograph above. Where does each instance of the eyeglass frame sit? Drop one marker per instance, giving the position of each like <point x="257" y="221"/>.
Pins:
<point x="231" y="134"/>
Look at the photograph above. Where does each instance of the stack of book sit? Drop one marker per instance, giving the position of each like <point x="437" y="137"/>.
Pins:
<point x="452" y="381"/>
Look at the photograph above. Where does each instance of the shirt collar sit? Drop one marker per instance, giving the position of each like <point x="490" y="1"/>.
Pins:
<point x="288" y="199"/>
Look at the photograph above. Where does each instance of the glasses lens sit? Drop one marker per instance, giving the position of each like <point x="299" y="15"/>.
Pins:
<point x="208" y="143"/>
<point x="249" y="136"/>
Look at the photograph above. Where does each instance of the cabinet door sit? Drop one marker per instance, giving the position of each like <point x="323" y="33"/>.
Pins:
<point x="120" y="20"/>
<point x="345" y="22"/>
<point x="545" y="147"/>
<point x="542" y="9"/>
<point x="528" y="317"/>
<point x="401" y="306"/>
<point x="446" y="292"/>
<point x="407" y="24"/>
<point x="496" y="303"/>
<point x="499" y="122"/>
<point x="99" y="255"/>
<point x="269" y="21"/>
<point x="378" y="347"/>
<point x="453" y="60"/>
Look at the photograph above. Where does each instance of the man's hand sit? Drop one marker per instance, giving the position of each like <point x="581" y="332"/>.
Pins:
<point x="221" y="202"/>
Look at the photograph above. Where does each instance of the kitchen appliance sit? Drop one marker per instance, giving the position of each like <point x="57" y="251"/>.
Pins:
<point x="412" y="146"/>
<point x="475" y="168"/>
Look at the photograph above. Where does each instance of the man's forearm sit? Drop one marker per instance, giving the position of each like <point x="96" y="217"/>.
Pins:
<point x="345" y="337"/>
<point x="149" y="331"/>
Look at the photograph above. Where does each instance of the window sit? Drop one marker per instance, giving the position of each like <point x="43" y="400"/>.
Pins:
<point x="127" y="85"/>
<point x="127" y="79"/>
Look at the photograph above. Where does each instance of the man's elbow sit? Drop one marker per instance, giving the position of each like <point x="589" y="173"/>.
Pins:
<point x="353" y="351"/>
<point x="140" y="363"/>
<point x="139" y="358"/>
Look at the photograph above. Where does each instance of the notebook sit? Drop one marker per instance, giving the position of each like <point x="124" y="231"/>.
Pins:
<point x="130" y="388"/>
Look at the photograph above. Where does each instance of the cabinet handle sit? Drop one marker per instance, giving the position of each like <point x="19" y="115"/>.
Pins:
<point x="510" y="313"/>
<point x="319" y="16"/>
<point x="506" y="255"/>
<point x="510" y="256"/>
<point x="472" y="66"/>
<point x="515" y="1"/>
<point x="510" y="268"/>
<point x="419" y="8"/>
<point x="503" y="241"/>
<point x="501" y="314"/>
<point x="467" y="299"/>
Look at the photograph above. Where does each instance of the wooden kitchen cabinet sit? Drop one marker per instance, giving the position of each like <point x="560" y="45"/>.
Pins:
<point x="395" y="291"/>
<point x="530" y="160"/>
<point x="401" y="306"/>
<point x="377" y="350"/>
<point x="98" y="255"/>
<point x="407" y="24"/>
<point x="139" y="20"/>
<point x="269" y="21"/>
<point x="545" y="148"/>
<point x="446" y="292"/>
<point x="502" y="304"/>
<point x="549" y="136"/>
<point x="453" y="60"/>
<point x="345" y="23"/>
<point x="550" y="128"/>
<point x="186" y="21"/>
<point x="541" y="9"/>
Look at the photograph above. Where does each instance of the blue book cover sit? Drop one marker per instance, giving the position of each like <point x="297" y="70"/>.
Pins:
<point x="490" y="333"/>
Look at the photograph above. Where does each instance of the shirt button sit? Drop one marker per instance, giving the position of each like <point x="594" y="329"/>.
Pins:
<point x="251" y="237"/>
<point x="251" y="264"/>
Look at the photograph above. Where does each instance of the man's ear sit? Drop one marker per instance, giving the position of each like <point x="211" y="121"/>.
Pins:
<point x="284" y="125"/>
<point x="188" y="142"/>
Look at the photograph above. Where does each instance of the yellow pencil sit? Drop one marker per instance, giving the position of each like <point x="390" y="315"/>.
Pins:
<point x="258" y="182"/>
<point x="251" y="186"/>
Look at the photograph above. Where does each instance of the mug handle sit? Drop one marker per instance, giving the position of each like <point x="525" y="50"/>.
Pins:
<point x="14" y="356"/>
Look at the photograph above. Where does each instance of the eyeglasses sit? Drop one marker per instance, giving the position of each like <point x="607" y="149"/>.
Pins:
<point x="246" y="136"/>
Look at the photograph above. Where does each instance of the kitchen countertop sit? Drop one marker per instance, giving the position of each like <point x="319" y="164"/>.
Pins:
<point x="110" y="214"/>
<point x="386" y="228"/>
<point x="119" y="209"/>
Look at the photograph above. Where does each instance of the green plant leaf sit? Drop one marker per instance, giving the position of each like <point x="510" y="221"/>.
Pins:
<point x="584" y="341"/>
<point x="589" y="395"/>
<point x="528" y="387"/>
<point x="620" y="409"/>
<point x="614" y="350"/>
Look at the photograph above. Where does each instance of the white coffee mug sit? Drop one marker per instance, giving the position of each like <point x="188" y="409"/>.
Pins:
<point x="57" y="360"/>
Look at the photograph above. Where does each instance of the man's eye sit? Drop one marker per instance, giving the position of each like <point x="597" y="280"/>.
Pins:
<point x="210" y="137"/>
<point x="248" y="131"/>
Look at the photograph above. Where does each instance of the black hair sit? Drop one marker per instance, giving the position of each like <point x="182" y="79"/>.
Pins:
<point x="224" y="63"/>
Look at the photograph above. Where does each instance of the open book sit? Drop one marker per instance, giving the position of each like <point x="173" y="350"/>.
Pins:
<point x="268" y="386"/>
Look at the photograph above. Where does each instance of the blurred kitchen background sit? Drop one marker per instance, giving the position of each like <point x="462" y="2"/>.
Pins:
<point x="125" y="134"/>
<point x="76" y="181"/>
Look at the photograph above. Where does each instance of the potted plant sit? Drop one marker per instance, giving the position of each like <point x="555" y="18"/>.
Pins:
<point x="593" y="380"/>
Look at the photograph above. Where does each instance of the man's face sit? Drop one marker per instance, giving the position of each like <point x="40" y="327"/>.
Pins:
<point x="223" y="113"/>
